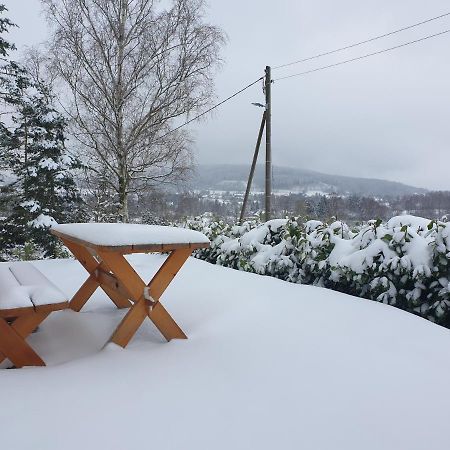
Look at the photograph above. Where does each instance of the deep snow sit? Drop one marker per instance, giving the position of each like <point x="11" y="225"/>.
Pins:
<point x="268" y="365"/>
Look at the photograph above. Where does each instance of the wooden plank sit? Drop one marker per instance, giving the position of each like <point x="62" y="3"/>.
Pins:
<point x="24" y="325"/>
<point x="83" y="255"/>
<point x="150" y="248"/>
<point x="18" y="312"/>
<point x="111" y="281"/>
<point x="165" y="323"/>
<point x="15" y="312"/>
<point x="112" y="287"/>
<point x="84" y="293"/>
<point x="52" y="307"/>
<point x="135" y="286"/>
<point x="91" y="264"/>
<point x="66" y="238"/>
<point x="120" y="301"/>
<point x="14" y="347"/>
<point x="130" y="324"/>
<point x="125" y="274"/>
<point x="167" y="272"/>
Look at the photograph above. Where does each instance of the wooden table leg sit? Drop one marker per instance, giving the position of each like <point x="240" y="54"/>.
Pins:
<point x="134" y="284"/>
<point x="167" y="272"/>
<point x="83" y="294"/>
<point x="130" y="324"/>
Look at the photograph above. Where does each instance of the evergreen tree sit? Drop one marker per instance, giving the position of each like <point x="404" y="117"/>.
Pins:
<point x="5" y="25"/>
<point x="35" y="145"/>
<point x="323" y="208"/>
<point x="5" y="64"/>
<point x="33" y="151"/>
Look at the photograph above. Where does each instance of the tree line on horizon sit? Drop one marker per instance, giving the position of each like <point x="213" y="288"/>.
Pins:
<point x="173" y="207"/>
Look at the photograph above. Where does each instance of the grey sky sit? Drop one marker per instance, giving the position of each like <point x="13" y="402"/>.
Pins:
<point x="383" y="117"/>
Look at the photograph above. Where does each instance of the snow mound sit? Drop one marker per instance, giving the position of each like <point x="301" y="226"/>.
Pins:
<point x="268" y="365"/>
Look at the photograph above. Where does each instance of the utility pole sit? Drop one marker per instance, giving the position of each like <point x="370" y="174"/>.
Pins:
<point x="268" y="190"/>
<point x="252" y="170"/>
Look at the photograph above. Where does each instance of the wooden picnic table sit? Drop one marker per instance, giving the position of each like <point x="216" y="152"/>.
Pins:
<point x="101" y="249"/>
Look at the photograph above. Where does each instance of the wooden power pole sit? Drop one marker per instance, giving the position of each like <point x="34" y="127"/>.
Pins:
<point x="268" y="190"/>
<point x="266" y="123"/>
<point x="252" y="170"/>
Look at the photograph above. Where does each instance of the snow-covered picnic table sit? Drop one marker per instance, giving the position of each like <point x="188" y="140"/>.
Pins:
<point x="101" y="249"/>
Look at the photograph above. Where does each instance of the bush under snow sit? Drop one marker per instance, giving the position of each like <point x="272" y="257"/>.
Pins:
<point x="403" y="262"/>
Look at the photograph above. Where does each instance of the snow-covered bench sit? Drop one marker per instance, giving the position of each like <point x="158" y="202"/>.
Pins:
<point x="27" y="297"/>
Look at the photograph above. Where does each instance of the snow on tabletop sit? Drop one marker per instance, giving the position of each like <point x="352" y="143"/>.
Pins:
<point x="118" y="234"/>
<point x="268" y="365"/>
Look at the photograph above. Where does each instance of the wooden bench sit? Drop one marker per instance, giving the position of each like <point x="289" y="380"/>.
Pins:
<point x="27" y="297"/>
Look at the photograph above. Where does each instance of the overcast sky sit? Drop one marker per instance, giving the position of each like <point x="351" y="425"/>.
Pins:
<point x="384" y="117"/>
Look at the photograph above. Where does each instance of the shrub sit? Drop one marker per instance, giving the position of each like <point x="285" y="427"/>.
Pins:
<point x="403" y="262"/>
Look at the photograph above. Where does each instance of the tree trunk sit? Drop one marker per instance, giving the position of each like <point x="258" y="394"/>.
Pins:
<point x="123" y="199"/>
<point x="119" y="94"/>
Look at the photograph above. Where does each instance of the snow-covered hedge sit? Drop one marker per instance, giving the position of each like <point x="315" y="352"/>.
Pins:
<point x="404" y="262"/>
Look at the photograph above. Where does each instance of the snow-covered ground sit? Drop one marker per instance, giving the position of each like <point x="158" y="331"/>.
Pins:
<point x="268" y="365"/>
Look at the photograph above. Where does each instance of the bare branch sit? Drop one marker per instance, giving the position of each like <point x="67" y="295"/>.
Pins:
<point x="133" y="67"/>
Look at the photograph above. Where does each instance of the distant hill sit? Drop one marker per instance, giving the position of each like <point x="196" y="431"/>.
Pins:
<point x="232" y="177"/>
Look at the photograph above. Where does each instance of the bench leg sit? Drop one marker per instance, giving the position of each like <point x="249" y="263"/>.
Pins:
<point x="12" y="340"/>
<point x="25" y="325"/>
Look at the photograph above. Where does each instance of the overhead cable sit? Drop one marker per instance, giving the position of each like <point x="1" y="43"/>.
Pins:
<point x="309" y="58"/>
<point x="363" y="56"/>
<point x="213" y="107"/>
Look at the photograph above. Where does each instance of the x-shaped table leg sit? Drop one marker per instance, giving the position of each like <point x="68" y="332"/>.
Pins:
<point x="143" y="307"/>
<point x="92" y="283"/>
<point x="12" y="339"/>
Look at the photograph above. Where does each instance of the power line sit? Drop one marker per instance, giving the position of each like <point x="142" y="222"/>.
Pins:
<point x="323" y="67"/>
<point x="362" y="42"/>
<point x="213" y="107"/>
<point x="363" y="56"/>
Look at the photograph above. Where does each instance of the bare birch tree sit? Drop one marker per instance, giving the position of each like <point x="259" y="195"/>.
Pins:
<point x="134" y="69"/>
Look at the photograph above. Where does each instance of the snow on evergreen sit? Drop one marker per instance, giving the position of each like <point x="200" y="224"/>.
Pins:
<point x="44" y="189"/>
<point x="403" y="262"/>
